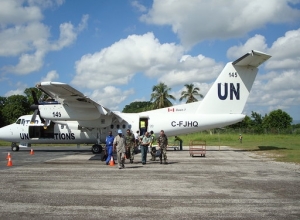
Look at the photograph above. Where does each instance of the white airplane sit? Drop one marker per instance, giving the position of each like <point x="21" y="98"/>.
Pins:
<point x="71" y="117"/>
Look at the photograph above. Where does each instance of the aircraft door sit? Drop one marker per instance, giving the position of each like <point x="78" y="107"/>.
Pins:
<point x="143" y="125"/>
<point x="41" y="132"/>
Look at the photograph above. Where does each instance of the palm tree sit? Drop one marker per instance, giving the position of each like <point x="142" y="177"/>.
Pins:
<point x="190" y="93"/>
<point x="160" y="96"/>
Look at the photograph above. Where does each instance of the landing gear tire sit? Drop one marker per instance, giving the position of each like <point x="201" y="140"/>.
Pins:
<point x="14" y="147"/>
<point x="96" y="149"/>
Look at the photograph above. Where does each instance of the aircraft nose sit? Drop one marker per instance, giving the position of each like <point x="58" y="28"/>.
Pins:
<point x="6" y="133"/>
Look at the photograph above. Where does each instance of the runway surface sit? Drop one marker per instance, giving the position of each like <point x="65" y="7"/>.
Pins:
<point x="67" y="183"/>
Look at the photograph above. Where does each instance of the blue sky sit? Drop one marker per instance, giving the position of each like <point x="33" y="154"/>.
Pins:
<point x="115" y="51"/>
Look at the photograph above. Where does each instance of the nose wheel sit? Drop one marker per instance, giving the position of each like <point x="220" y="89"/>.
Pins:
<point x="14" y="147"/>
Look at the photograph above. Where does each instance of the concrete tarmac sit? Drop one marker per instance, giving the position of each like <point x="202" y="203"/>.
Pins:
<point x="66" y="183"/>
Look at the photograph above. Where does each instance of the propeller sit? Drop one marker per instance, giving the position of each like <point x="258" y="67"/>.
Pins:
<point x="35" y="107"/>
<point x="35" y="100"/>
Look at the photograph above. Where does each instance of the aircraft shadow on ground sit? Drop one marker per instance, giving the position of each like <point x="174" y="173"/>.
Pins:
<point x="63" y="150"/>
<point x="262" y="148"/>
<point x="136" y="164"/>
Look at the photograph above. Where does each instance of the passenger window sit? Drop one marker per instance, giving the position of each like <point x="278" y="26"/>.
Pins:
<point x="18" y="121"/>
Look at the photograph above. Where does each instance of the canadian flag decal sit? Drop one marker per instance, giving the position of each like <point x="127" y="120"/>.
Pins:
<point x="170" y="109"/>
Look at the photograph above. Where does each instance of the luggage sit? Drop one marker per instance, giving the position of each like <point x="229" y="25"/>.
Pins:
<point x="104" y="157"/>
<point x="137" y="149"/>
<point x="127" y="153"/>
<point x="157" y="153"/>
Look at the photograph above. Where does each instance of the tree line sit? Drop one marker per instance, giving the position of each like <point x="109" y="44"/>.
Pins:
<point x="14" y="106"/>
<point x="160" y="98"/>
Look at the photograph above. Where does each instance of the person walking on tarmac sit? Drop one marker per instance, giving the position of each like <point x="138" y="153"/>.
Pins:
<point x="162" y="143"/>
<point x="180" y="141"/>
<point x="152" y="149"/>
<point x="119" y="147"/>
<point x="137" y="138"/>
<point x="144" y="147"/>
<point x="142" y="127"/>
<point x="129" y="142"/>
<point x="109" y="147"/>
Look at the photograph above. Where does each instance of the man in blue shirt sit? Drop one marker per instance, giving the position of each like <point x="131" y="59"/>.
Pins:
<point x="109" y="147"/>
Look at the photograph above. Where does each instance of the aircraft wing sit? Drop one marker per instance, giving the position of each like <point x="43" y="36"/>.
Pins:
<point x="66" y="94"/>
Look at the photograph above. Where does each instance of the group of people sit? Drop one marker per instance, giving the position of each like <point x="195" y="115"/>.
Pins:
<point x="126" y="145"/>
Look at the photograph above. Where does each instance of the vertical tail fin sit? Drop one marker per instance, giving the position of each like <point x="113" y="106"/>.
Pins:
<point x="230" y="91"/>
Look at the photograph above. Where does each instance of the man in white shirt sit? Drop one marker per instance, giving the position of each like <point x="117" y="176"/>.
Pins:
<point x="119" y="147"/>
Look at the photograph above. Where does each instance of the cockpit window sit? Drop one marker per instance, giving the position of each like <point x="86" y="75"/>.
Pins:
<point x="18" y="121"/>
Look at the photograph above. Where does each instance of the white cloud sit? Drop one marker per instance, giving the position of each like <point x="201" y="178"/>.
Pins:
<point x="83" y="23"/>
<point x="284" y="81"/>
<point x="67" y="36"/>
<point x="110" y="96"/>
<point x="281" y="91"/>
<point x="20" y="87"/>
<point x="285" y="51"/>
<point x="20" y="39"/>
<point x="197" y="69"/>
<point x="116" y="65"/>
<point x="27" y="63"/>
<point x="51" y="76"/>
<point x="23" y="34"/>
<point x="138" y="6"/>
<point x="258" y="42"/>
<point x="13" y="12"/>
<point x="218" y="19"/>
<point x="46" y="3"/>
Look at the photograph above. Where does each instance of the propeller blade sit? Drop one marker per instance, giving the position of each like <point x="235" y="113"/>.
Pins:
<point x="35" y="100"/>
<point x="46" y="123"/>
<point x="35" y="107"/>
<point x="34" y="116"/>
<point x="42" y="119"/>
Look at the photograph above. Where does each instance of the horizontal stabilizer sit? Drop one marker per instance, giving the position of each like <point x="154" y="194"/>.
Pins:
<point x="254" y="58"/>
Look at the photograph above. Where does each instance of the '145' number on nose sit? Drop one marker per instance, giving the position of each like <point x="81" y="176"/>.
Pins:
<point x="56" y="114"/>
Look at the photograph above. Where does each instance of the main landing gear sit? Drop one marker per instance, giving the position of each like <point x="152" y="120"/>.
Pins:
<point x="96" y="149"/>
